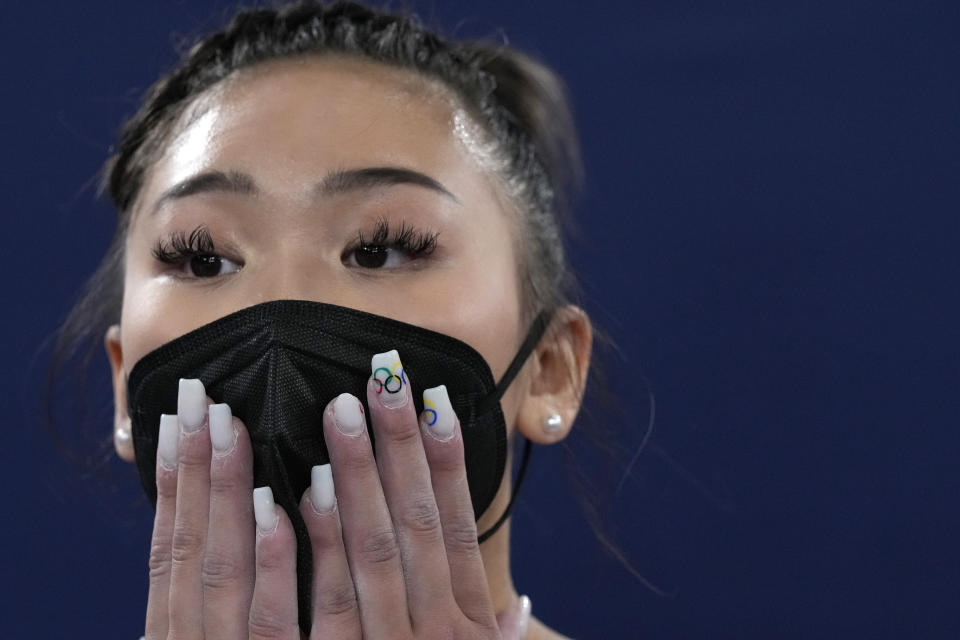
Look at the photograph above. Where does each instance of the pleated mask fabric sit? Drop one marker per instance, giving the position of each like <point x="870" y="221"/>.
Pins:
<point x="278" y="363"/>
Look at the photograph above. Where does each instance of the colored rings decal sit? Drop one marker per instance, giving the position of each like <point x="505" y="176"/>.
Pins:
<point x="429" y="408"/>
<point x="392" y="381"/>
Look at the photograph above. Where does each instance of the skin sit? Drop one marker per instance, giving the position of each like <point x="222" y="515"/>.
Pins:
<point x="287" y="124"/>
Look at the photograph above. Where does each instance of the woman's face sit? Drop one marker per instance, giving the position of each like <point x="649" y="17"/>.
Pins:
<point x="286" y="226"/>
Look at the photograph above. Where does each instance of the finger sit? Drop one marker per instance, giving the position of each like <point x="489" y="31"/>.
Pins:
<point x="157" y="620"/>
<point x="406" y="482"/>
<point x="335" y="611"/>
<point x="228" y="562"/>
<point x="273" y="610"/>
<point x="515" y="621"/>
<point x="443" y="444"/>
<point x="368" y="536"/>
<point x="193" y="505"/>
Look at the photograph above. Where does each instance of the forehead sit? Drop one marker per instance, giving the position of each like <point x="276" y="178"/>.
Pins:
<point x="289" y="121"/>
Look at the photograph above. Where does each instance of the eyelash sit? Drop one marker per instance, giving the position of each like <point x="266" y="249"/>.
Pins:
<point x="180" y="247"/>
<point x="416" y="243"/>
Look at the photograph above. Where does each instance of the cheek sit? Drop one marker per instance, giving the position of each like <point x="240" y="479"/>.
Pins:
<point x="484" y="312"/>
<point x="148" y="319"/>
<point x="479" y="299"/>
<point x="494" y="305"/>
<point x="489" y="310"/>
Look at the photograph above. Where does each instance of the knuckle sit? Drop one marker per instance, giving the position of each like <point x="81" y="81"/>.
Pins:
<point x="358" y="463"/>
<point x="186" y="546"/>
<point x="337" y="601"/>
<point x="264" y="623"/>
<point x="192" y="460"/>
<point x="461" y="534"/>
<point x="488" y="625"/>
<point x="379" y="547"/>
<point x="446" y="460"/>
<point x="325" y="539"/>
<point x="225" y="483"/>
<point x="421" y="516"/>
<point x="159" y="562"/>
<point x="219" y="572"/>
<point x="167" y="486"/>
<point x="401" y="434"/>
<point x="271" y="560"/>
<point x="191" y="445"/>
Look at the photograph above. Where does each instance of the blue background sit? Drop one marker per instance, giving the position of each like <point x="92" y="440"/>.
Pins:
<point x="768" y="233"/>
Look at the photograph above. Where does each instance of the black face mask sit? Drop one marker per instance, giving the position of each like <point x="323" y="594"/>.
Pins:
<point x="278" y="364"/>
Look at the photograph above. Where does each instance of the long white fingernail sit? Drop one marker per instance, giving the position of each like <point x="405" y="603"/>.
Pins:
<point x="222" y="435"/>
<point x="265" y="510"/>
<point x="438" y="417"/>
<point x="191" y="404"/>
<point x="348" y="414"/>
<point x="391" y="380"/>
<point x="525" y="609"/>
<point x="167" y="442"/>
<point x="321" y="489"/>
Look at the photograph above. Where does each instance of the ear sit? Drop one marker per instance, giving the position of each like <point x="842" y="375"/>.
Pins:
<point x="558" y="373"/>
<point x="122" y="435"/>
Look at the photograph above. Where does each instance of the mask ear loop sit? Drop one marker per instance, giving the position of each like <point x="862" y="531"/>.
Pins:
<point x="527" y="449"/>
<point x="537" y="330"/>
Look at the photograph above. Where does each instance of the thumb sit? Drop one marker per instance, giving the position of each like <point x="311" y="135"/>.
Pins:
<point x="513" y="622"/>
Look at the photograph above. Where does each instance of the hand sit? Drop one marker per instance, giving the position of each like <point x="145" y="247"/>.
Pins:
<point x="394" y="544"/>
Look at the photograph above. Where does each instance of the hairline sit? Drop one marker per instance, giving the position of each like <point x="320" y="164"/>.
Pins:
<point x="195" y="106"/>
<point x="168" y="130"/>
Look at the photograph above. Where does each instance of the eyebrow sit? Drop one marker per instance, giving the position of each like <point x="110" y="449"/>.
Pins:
<point x="336" y="182"/>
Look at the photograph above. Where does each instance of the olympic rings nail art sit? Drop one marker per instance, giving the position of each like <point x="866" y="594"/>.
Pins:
<point x="390" y="378"/>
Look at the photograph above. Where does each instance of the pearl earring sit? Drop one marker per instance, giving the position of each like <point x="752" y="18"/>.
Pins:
<point x="122" y="435"/>
<point x="552" y="423"/>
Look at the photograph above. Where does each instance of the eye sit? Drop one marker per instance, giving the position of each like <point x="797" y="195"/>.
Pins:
<point x="376" y="257"/>
<point x="206" y="265"/>
<point x="390" y="250"/>
<point x="193" y="257"/>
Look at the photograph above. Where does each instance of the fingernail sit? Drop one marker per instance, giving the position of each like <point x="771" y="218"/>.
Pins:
<point x="264" y="510"/>
<point x="438" y="417"/>
<point x="191" y="404"/>
<point x="222" y="435"/>
<point x="525" y="609"/>
<point x="390" y="379"/>
<point x="322" y="495"/>
<point x="348" y="415"/>
<point x="167" y="441"/>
